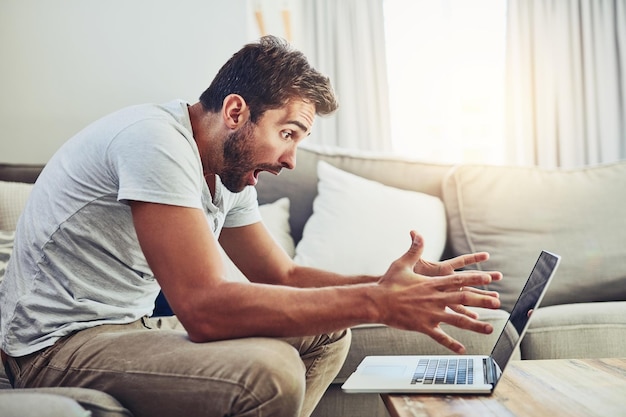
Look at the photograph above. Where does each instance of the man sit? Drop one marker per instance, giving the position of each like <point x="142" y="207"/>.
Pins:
<point x="137" y="201"/>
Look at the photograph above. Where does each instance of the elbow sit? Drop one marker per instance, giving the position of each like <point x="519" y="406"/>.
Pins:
<point x="199" y="332"/>
<point x="197" y="337"/>
<point x="201" y="329"/>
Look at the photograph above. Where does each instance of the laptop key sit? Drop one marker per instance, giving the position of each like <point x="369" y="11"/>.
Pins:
<point x="420" y="372"/>
<point x="443" y="371"/>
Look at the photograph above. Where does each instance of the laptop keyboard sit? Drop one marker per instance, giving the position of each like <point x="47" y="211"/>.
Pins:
<point x="444" y="371"/>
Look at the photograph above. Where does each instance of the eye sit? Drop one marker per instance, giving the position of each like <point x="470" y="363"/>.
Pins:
<point x="286" y="134"/>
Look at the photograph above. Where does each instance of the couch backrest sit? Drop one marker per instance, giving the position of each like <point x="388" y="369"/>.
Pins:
<point x="20" y="172"/>
<point x="300" y="185"/>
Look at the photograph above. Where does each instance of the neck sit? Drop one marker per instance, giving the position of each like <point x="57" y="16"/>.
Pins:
<point x="206" y="133"/>
<point x="205" y="127"/>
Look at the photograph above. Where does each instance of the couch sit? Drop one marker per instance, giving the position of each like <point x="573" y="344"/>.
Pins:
<point x="351" y="212"/>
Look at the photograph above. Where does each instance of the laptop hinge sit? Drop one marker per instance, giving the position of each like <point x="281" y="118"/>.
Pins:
<point x="490" y="370"/>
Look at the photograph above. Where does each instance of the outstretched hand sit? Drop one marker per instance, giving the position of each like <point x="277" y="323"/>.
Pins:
<point x="447" y="267"/>
<point x="436" y="294"/>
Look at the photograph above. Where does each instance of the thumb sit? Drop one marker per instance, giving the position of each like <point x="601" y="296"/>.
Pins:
<point x="416" y="249"/>
<point x="411" y="257"/>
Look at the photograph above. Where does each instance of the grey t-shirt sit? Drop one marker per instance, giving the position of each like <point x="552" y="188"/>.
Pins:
<point x="77" y="262"/>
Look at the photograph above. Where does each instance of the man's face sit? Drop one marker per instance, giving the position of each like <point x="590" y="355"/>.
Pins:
<point x="269" y="145"/>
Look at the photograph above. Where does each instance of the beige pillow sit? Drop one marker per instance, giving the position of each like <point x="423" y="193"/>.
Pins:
<point x="515" y="212"/>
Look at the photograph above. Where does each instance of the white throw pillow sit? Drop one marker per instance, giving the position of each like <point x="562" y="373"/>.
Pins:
<point x="276" y="218"/>
<point x="13" y="196"/>
<point x="360" y="226"/>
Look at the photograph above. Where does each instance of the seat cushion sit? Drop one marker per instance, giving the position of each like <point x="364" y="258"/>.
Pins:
<point x="31" y="404"/>
<point x="585" y="330"/>
<point x="98" y="403"/>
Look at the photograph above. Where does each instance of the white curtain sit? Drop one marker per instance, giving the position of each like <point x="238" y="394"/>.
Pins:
<point x="566" y="82"/>
<point x="345" y="39"/>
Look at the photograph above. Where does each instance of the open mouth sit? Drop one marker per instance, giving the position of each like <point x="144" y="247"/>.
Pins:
<point x="272" y="169"/>
<point x="258" y="171"/>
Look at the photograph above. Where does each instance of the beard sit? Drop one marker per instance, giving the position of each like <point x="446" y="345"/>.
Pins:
<point x="239" y="162"/>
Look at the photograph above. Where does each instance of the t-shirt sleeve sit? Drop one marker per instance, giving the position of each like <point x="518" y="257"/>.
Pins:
<point x="244" y="209"/>
<point x="155" y="162"/>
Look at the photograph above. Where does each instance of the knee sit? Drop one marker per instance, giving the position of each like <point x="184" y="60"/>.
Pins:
<point x="276" y="379"/>
<point x="341" y="342"/>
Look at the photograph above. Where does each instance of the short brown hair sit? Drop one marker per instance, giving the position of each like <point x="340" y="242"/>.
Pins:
<point x="267" y="74"/>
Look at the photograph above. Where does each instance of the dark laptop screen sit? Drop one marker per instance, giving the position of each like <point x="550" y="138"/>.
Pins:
<point x="529" y="299"/>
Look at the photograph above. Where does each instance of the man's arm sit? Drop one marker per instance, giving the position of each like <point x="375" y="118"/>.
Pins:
<point x="183" y="254"/>
<point x="262" y="260"/>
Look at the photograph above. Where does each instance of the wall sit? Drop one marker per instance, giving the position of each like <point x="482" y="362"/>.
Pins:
<point x="65" y="63"/>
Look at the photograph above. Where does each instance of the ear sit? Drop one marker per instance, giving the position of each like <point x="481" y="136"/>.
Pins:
<point x="235" y="111"/>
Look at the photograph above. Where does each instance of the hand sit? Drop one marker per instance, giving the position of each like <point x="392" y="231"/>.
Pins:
<point x="447" y="267"/>
<point x="416" y="302"/>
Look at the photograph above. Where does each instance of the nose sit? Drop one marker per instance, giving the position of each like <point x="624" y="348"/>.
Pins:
<point x="288" y="159"/>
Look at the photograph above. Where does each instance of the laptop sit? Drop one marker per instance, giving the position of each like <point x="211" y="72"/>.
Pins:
<point x="456" y="374"/>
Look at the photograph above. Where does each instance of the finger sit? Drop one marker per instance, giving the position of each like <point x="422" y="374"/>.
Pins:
<point x="457" y="281"/>
<point x="469" y="298"/>
<point x="480" y="291"/>
<point x="461" y="309"/>
<point x="441" y="337"/>
<point x="463" y="322"/>
<point x="495" y="275"/>
<point x="468" y="259"/>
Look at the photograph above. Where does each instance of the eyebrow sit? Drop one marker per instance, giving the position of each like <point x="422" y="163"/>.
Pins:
<point x="300" y="125"/>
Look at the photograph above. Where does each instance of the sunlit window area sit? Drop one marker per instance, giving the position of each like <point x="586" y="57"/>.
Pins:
<point x="446" y="63"/>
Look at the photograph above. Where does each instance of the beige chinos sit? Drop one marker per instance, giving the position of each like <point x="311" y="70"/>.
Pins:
<point x="152" y="368"/>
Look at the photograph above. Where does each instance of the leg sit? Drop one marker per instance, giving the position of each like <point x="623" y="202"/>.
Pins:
<point x="323" y="357"/>
<point x="160" y="372"/>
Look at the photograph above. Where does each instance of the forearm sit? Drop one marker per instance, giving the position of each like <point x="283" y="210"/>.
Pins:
<point x="305" y="277"/>
<point x="235" y="310"/>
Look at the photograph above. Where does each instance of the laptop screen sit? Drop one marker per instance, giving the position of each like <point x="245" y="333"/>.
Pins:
<point x="529" y="299"/>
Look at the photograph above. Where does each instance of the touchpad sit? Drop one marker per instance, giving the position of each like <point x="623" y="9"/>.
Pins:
<point x="390" y="371"/>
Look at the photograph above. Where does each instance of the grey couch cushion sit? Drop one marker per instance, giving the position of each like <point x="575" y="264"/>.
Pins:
<point x="31" y="404"/>
<point x="586" y="330"/>
<point x="515" y="212"/>
<point x="98" y="403"/>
